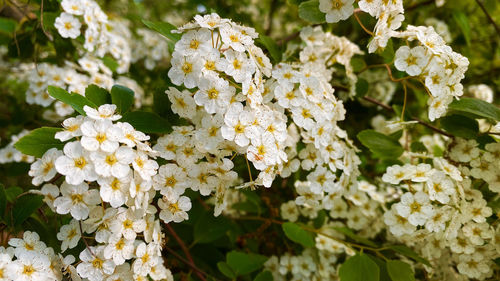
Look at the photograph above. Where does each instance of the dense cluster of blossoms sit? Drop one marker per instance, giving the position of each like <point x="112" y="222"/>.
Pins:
<point x="442" y="214"/>
<point x="102" y="36"/>
<point x="150" y="47"/>
<point x="71" y="77"/>
<point x="107" y="189"/>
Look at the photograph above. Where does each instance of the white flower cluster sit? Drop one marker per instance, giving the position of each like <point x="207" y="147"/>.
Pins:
<point x="30" y="259"/>
<point x="107" y="190"/>
<point x="152" y="48"/>
<point x="336" y="10"/>
<point x="10" y="154"/>
<point x="441" y="213"/>
<point x="102" y="36"/>
<point x="482" y="92"/>
<point x="218" y="59"/>
<point x="435" y="63"/>
<point x="91" y="70"/>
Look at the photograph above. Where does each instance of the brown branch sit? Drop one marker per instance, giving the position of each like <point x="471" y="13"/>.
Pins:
<point x="199" y="273"/>
<point x="490" y="19"/>
<point x="192" y="265"/>
<point x="420" y="121"/>
<point x="414" y="6"/>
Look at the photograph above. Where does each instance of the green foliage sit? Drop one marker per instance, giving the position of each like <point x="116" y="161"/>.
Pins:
<point x="400" y="271"/>
<point x="310" y="12"/>
<point x="72" y="99"/>
<point x="3" y="202"/>
<point x="209" y="228"/>
<point x="243" y="263"/>
<point x="476" y="107"/>
<point x="460" y="126"/>
<point x="24" y="207"/>
<point x="272" y="47"/>
<point x="38" y="141"/>
<point x="359" y="268"/>
<point x="97" y="95"/>
<point x="123" y="97"/>
<point x="147" y="122"/>
<point x="381" y="145"/>
<point x="264" y="276"/>
<point x="349" y="233"/>
<point x="401" y="249"/>
<point x="463" y="23"/>
<point x="297" y="234"/>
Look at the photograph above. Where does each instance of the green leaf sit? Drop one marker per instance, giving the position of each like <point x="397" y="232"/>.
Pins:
<point x="38" y="141"/>
<point x="359" y="268"/>
<point x="3" y="201"/>
<point x="123" y="97"/>
<point x="226" y="270"/>
<point x="384" y="275"/>
<point x="418" y="147"/>
<point x="7" y="26"/>
<point x="297" y="234"/>
<point x="209" y="228"/>
<point x="12" y="192"/>
<point x="110" y="62"/>
<point x="388" y="52"/>
<point x="264" y="276"/>
<point x="97" y="95"/>
<point x="476" y="107"/>
<point x="272" y="47"/>
<point x="358" y="63"/>
<point x="147" y="122"/>
<point x="460" y="126"/>
<point x="463" y="23"/>
<point x="409" y="253"/>
<point x="310" y="12"/>
<point x="243" y="263"/>
<point x="400" y="271"/>
<point x="320" y="219"/>
<point x="72" y="99"/>
<point x="164" y="28"/>
<point x="361" y="87"/>
<point x="381" y="145"/>
<point x="347" y="232"/>
<point x="24" y="207"/>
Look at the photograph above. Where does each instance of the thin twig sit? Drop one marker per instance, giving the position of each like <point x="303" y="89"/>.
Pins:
<point x="41" y="22"/>
<point x="185" y="250"/>
<point x="193" y="266"/>
<point x="362" y="25"/>
<point x="490" y="19"/>
<point x="420" y="121"/>
<point x="85" y="241"/>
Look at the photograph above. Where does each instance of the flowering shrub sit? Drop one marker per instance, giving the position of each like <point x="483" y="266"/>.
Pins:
<point x="276" y="140"/>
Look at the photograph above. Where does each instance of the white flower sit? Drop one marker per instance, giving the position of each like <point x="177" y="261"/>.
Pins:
<point x="174" y="210"/>
<point x="398" y="225"/>
<point x="93" y="264"/>
<point x="75" y="164"/>
<point x="194" y="42"/>
<point x="214" y="94"/>
<point x="263" y="151"/>
<point x="77" y="200"/>
<point x="473" y="266"/>
<point x="33" y="268"/>
<point x="74" y="7"/>
<point x="415" y="207"/>
<point x="131" y="137"/>
<point x="440" y="187"/>
<point x="44" y="169"/>
<point x="101" y="134"/>
<point x="170" y="180"/>
<point x="69" y="234"/>
<point x="336" y="10"/>
<point x="116" y="164"/>
<point x="185" y="70"/>
<point x="411" y="60"/>
<point x="234" y="38"/>
<point x="145" y="254"/>
<point x="119" y="249"/>
<point x="128" y="223"/>
<point x="27" y="247"/>
<point x="68" y="26"/>
<point x="144" y="166"/>
<point x="105" y="111"/>
<point x="71" y="128"/>
<point x="114" y="190"/>
<point x="183" y="103"/>
<point x="236" y="65"/>
<point x="235" y="125"/>
<point x="289" y="211"/>
<point x="50" y="193"/>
